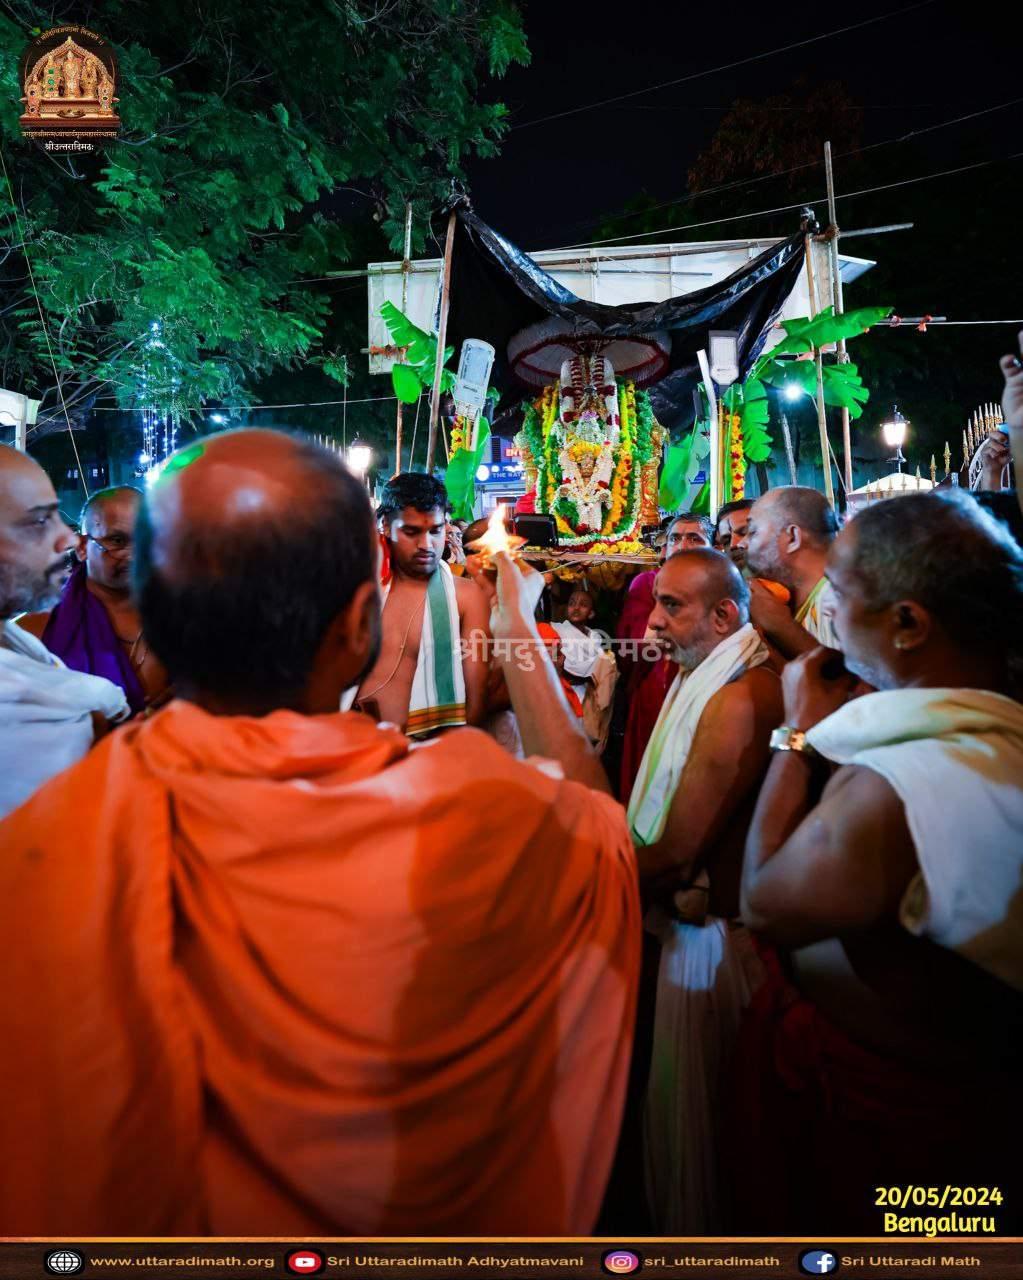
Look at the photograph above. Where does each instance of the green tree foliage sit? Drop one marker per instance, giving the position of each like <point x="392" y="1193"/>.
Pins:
<point x="216" y="211"/>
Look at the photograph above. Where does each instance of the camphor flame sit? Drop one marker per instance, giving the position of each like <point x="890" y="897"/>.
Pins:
<point x="497" y="538"/>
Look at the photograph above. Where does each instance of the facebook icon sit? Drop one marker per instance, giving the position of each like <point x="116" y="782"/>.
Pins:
<point x="817" y="1262"/>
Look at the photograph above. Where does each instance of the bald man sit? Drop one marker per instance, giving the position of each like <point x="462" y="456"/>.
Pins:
<point x="787" y="538"/>
<point x="892" y="885"/>
<point x="49" y="716"/>
<point x="689" y="813"/>
<point x="690" y="809"/>
<point x="95" y="627"/>
<point x="648" y="682"/>
<point x="289" y="972"/>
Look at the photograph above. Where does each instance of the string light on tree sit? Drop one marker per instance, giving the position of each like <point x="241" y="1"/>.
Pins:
<point x="159" y="389"/>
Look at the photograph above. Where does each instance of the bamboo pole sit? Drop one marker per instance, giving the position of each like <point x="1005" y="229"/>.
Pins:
<point x="836" y="280"/>
<point x="822" y="421"/>
<point x="715" y="434"/>
<point x="405" y="267"/>
<point x="789" y="452"/>
<point x="442" y="335"/>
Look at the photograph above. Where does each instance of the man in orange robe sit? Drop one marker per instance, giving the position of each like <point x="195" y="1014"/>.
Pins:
<point x="287" y="973"/>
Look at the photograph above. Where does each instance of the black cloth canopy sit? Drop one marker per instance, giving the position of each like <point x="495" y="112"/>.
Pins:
<point x="496" y="290"/>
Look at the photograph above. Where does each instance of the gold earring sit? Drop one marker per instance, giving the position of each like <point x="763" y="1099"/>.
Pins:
<point x="899" y="643"/>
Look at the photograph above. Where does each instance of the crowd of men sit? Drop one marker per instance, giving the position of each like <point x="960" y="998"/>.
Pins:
<point x="725" y="909"/>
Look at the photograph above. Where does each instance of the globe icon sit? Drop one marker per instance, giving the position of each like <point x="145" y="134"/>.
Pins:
<point x="64" y="1262"/>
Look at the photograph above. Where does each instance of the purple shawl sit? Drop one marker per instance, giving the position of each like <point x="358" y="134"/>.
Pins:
<point x="80" y="632"/>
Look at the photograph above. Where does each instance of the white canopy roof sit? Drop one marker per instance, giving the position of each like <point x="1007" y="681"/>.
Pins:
<point x="613" y="275"/>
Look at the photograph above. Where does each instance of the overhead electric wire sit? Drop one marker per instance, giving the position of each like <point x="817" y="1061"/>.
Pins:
<point x="809" y="164"/>
<point x="725" y="66"/>
<point x="802" y="204"/>
<point x="248" y="408"/>
<point x="42" y="321"/>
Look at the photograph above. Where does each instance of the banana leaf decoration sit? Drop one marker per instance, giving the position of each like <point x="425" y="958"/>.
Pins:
<point x="681" y="464"/>
<point x="804" y="334"/>
<point x="843" y="386"/>
<point x="460" y="476"/>
<point x="415" y="375"/>
<point x="749" y="400"/>
<point x="701" y="506"/>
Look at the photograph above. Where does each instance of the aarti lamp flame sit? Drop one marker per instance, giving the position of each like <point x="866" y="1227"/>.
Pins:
<point x="497" y="538"/>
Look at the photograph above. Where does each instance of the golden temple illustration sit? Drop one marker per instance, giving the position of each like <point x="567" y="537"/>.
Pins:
<point x="69" y="86"/>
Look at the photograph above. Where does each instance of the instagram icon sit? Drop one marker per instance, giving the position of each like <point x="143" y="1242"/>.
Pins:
<point x="621" y="1262"/>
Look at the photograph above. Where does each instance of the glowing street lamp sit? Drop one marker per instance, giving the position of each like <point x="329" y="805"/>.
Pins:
<point x="894" y="432"/>
<point x="792" y="391"/>
<point x="360" y="455"/>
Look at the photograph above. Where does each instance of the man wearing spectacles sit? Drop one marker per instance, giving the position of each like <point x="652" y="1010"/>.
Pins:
<point x="96" y="627"/>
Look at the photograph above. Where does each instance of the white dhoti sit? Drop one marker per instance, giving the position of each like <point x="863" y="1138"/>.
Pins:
<point x="704" y="981"/>
<point x="706" y="978"/>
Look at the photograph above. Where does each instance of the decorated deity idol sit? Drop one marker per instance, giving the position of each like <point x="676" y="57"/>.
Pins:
<point x="71" y="82"/>
<point x="587" y="469"/>
<point x="589" y="443"/>
<point x="72" y="74"/>
<point x="90" y="78"/>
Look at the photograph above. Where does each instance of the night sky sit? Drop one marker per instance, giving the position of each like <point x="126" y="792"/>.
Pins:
<point x="553" y="180"/>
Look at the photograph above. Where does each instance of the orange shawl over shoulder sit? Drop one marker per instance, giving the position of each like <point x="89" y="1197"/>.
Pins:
<point x="288" y="976"/>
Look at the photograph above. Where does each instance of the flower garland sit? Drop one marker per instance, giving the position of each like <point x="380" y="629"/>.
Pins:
<point x="737" y="459"/>
<point x="633" y="451"/>
<point x="625" y="546"/>
<point x="460" y="428"/>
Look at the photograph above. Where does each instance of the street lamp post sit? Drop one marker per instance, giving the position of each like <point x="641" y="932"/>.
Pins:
<point x="360" y="455"/>
<point x="894" y="432"/>
<point x="791" y="392"/>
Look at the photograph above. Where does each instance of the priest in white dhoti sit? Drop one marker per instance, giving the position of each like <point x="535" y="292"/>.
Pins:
<point x="689" y="812"/>
<point x="49" y="716"/>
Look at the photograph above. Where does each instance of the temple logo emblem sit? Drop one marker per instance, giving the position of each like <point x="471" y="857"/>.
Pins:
<point x="69" y="89"/>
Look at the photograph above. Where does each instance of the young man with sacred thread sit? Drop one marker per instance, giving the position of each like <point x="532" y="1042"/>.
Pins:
<point x="290" y="973"/>
<point x="95" y="626"/>
<point x="889" y="1051"/>
<point x="433" y="665"/>
<point x="49" y="716"/>
<point x="788" y="533"/>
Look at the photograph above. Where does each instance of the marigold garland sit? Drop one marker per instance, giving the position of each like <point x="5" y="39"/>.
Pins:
<point x="459" y="434"/>
<point x="737" y="459"/>
<point x="634" y="450"/>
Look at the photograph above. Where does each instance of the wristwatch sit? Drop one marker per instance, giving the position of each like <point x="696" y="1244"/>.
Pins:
<point x="785" y="738"/>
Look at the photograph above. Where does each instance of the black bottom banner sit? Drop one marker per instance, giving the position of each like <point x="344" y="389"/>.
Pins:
<point x="720" y="1259"/>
